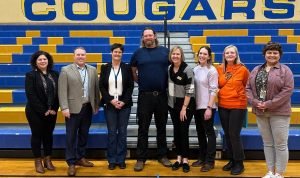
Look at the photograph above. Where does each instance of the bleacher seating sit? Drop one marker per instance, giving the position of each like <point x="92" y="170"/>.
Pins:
<point x="250" y="43"/>
<point x="18" y="42"/>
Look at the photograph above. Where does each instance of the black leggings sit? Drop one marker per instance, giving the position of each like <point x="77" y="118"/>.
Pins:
<point x="206" y="136"/>
<point x="41" y="132"/>
<point x="181" y="131"/>
<point x="232" y="122"/>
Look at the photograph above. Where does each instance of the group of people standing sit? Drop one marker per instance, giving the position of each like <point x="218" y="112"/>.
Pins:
<point x="166" y="84"/>
<point x="76" y="91"/>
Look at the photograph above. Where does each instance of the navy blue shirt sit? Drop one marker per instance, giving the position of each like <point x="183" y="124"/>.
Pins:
<point x="152" y="65"/>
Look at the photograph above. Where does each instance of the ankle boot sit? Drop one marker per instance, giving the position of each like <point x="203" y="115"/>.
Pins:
<point x="228" y="166"/>
<point x="38" y="165"/>
<point x="238" y="168"/>
<point x="48" y="164"/>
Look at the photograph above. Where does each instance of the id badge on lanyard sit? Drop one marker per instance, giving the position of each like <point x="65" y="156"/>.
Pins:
<point x="116" y="96"/>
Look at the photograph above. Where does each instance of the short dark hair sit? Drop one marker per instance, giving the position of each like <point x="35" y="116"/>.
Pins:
<point x="115" y="46"/>
<point x="209" y="61"/>
<point x="272" y="46"/>
<point x="154" y="32"/>
<point x="36" y="55"/>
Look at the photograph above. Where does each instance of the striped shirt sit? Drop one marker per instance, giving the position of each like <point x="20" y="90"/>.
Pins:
<point x="180" y="84"/>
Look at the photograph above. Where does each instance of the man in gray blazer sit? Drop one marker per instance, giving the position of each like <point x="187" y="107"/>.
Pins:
<point x="78" y="92"/>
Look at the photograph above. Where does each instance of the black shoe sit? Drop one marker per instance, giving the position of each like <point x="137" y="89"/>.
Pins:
<point x="122" y="165"/>
<point x="207" y="167"/>
<point x="185" y="167"/>
<point x="238" y="168"/>
<point x="198" y="163"/>
<point x="228" y="166"/>
<point x="176" y="166"/>
<point x="111" y="166"/>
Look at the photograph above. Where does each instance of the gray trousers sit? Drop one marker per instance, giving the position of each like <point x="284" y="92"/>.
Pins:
<point x="274" y="131"/>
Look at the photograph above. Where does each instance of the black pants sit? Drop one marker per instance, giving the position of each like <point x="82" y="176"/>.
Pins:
<point x="149" y="104"/>
<point x="181" y="131"/>
<point x="232" y="122"/>
<point x="206" y="136"/>
<point x="41" y="132"/>
<point x="77" y="131"/>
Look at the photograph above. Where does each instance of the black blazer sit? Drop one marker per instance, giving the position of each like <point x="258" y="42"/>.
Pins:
<point x="36" y="96"/>
<point x="127" y="83"/>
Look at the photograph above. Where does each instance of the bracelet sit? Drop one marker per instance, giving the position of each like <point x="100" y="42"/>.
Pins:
<point x="208" y="107"/>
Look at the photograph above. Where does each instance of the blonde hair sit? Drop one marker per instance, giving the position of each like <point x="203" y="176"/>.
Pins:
<point x="237" y="59"/>
<point x="181" y="52"/>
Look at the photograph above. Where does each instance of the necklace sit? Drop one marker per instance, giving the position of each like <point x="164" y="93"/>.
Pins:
<point x="268" y="68"/>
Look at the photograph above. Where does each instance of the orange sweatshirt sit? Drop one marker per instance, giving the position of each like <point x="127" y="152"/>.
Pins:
<point x="232" y="93"/>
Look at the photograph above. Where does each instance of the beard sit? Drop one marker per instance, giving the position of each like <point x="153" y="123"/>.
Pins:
<point x="149" y="43"/>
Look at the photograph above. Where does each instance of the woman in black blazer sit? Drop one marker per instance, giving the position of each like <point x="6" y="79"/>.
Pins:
<point x="116" y="86"/>
<point x="41" y="108"/>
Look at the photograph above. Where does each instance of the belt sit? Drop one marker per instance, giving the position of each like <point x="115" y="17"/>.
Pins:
<point x="85" y="104"/>
<point x="154" y="93"/>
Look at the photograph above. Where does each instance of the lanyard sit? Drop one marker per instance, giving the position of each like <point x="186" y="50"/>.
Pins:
<point x="83" y="81"/>
<point x="116" y="76"/>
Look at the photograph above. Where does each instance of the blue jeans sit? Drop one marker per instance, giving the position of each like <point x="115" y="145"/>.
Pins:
<point x="117" y="121"/>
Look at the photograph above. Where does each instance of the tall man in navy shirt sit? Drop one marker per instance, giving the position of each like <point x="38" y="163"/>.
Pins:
<point x="150" y="70"/>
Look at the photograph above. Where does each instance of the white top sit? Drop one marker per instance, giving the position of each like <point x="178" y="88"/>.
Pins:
<point x="112" y="90"/>
<point x="206" y="84"/>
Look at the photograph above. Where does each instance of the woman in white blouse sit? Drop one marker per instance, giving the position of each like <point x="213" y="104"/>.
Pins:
<point x="206" y="85"/>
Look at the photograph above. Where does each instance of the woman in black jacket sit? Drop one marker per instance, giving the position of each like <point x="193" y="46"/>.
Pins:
<point x="41" y="108"/>
<point x="116" y="86"/>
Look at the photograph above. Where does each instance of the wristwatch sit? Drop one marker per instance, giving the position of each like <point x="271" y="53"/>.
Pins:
<point x="208" y="107"/>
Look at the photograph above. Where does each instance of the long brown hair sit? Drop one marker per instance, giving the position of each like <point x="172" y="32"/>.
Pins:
<point x="142" y="39"/>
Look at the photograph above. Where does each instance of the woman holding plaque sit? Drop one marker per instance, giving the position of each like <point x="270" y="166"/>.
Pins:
<point x="116" y="86"/>
<point x="232" y="102"/>
<point x="269" y="91"/>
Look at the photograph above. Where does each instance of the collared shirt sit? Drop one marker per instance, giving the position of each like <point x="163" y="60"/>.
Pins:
<point x="115" y="87"/>
<point x="280" y="88"/>
<point x="84" y="81"/>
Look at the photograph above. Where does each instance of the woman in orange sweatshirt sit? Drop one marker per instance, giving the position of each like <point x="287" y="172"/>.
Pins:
<point x="232" y="102"/>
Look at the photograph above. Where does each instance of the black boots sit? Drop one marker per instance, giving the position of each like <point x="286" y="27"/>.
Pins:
<point x="238" y="168"/>
<point x="228" y="166"/>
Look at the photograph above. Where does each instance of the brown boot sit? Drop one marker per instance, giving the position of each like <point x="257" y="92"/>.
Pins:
<point x="38" y="165"/>
<point x="48" y="164"/>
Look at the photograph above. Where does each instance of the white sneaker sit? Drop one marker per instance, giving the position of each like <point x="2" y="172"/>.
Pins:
<point x="278" y="176"/>
<point x="269" y="175"/>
